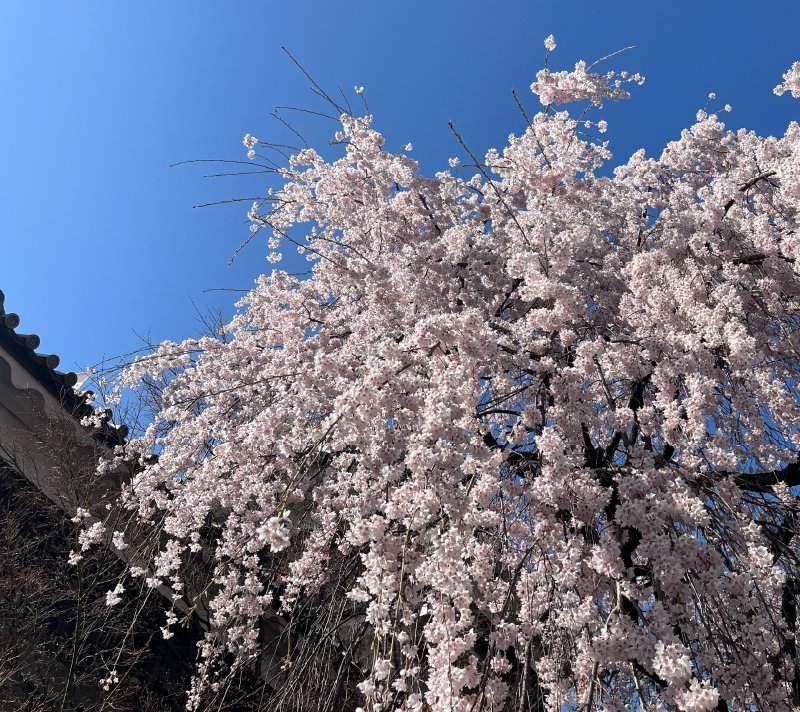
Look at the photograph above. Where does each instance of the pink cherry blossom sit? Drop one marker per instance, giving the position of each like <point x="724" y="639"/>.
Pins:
<point x="791" y="82"/>
<point x="532" y="430"/>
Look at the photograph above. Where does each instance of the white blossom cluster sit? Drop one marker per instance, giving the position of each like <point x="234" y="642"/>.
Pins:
<point x="791" y="82"/>
<point x="529" y="406"/>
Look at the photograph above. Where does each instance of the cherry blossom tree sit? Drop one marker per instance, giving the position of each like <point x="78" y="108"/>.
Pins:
<point x="526" y="438"/>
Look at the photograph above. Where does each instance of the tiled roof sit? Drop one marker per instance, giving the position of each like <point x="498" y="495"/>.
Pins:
<point x="43" y="368"/>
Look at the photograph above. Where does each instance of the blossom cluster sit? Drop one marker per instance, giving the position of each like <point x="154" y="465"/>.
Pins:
<point x="541" y="414"/>
<point x="791" y="82"/>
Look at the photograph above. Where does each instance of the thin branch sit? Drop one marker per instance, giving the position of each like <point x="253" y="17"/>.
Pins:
<point x="291" y="128"/>
<point x="496" y="190"/>
<point x="531" y="127"/>
<point x="316" y="86"/>
<point x="609" y="56"/>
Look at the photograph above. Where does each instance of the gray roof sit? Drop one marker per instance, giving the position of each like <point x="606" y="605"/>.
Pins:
<point x="43" y="367"/>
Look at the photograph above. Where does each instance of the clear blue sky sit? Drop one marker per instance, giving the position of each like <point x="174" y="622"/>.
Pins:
<point x="99" y="237"/>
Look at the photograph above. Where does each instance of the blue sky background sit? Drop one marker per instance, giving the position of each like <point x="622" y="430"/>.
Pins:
<point x="99" y="242"/>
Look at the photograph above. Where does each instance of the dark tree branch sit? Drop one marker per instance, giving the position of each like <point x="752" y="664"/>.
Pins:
<point x="744" y="188"/>
<point x="764" y="481"/>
